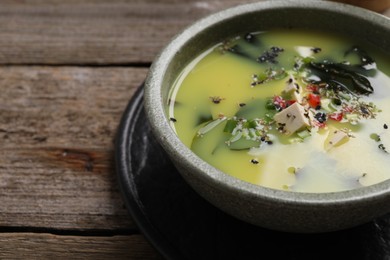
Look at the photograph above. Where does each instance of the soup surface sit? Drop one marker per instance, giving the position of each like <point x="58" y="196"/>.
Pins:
<point x="288" y="109"/>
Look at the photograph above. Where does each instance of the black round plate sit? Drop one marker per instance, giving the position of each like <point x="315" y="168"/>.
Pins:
<point x="182" y="225"/>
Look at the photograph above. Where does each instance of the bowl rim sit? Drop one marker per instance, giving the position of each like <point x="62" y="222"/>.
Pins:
<point x="216" y="178"/>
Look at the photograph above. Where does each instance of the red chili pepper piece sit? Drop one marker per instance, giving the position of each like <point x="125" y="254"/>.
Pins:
<point x="318" y="124"/>
<point x="280" y="102"/>
<point x="336" y="116"/>
<point x="314" y="100"/>
<point x="290" y="102"/>
<point x="312" y="88"/>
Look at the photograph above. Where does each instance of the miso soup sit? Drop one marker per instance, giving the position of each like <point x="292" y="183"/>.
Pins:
<point x="290" y="109"/>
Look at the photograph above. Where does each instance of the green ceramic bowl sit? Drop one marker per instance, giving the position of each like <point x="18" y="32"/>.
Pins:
<point x="265" y="207"/>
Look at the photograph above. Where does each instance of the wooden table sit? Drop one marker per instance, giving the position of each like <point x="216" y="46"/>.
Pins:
<point x="67" y="72"/>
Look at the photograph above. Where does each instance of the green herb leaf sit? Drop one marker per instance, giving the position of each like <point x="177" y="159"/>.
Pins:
<point x="230" y="125"/>
<point x="210" y="126"/>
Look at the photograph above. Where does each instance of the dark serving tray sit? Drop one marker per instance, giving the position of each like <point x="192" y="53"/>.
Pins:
<point x="182" y="225"/>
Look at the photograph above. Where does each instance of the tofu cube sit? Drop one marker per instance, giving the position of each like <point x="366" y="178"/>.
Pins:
<point x="336" y="138"/>
<point x="293" y="89"/>
<point x="293" y="118"/>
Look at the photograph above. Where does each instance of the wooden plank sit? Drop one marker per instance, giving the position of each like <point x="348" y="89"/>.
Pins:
<point x="94" y="32"/>
<point x="48" y="246"/>
<point x="57" y="126"/>
<point x="64" y="106"/>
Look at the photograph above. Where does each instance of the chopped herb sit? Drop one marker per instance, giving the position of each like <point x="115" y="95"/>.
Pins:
<point x="231" y="124"/>
<point x="375" y="137"/>
<point x="268" y="75"/>
<point x="203" y="118"/>
<point x="291" y="170"/>
<point x="304" y="133"/>
<point x="210" y="125"/>
<point x="336" y="101"/>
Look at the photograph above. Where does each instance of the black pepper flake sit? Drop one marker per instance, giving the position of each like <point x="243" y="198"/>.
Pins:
<point x="270" y="142"/>
<point x="382" y="147"/>
<point x="364" y="110"/>
<point x="173" y="119"/>
<point x="254" y="161"/>
<point x="321" y="117"/>
<point x="216" y="99"/>
<point x="271" y="55"/>
<point x="316" y="50"/>
<point x="242" y="104"/>
<point x="249" y="37"/>
<point x="385" y="126"/>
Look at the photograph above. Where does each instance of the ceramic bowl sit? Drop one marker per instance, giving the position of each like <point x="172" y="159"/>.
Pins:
<point x="265" y="207"/>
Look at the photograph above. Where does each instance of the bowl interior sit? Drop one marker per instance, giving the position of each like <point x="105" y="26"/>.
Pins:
<point x="319" y="15"/>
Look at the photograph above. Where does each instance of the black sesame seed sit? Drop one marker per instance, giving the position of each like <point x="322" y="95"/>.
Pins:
<point x="249" y="37"/>
<point x="254" y="161"/>
<point x="382" y="147"/>
<point x="321" y="117"/>
<point x="173" y="119"/>
<point x="242" y="104"/>
<point x="278" y="108"/>
<point x="316" y="50"/>
<point x="276" y="49"/>
<point x="385" y="126"/>
<point x="262" y="138"/>
<point x="270" y="142"/>
<point x="364" y="110"/>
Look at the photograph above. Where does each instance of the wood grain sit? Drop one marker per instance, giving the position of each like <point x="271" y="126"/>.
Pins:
<point x="59" y="113"/>
<point x="57" y="127"/>
<point x="94" y="32"/>
<point x="48" y="246"/>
